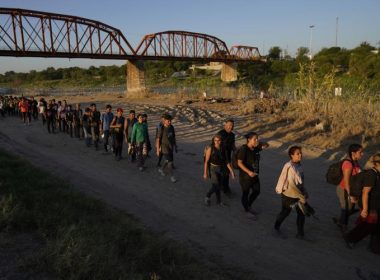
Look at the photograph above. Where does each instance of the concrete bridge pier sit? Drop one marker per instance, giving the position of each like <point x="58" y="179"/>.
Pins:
<point x="229" y="72"/>
<point x="135" y="76"/>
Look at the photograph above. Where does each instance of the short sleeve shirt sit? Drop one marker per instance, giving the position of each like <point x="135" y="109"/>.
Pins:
<point x="251" y="160"/>
<point x="106" y="120"/>
<point x="228" y="141"/>
<point x="168" y="139"/>
<point x="349" y="165"/>
<point x="372" y="179"/>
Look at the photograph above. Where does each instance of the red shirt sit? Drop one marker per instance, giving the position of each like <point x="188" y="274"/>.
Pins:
<point x="348" y="165"/>
<point x="24" y="106"/>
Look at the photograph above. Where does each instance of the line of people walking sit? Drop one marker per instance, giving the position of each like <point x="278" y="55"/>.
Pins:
<point x="221" y="160"/>
<point x="106" y="128"/>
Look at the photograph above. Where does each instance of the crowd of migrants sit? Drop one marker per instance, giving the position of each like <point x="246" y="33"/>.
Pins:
<point x="221" y="159"/>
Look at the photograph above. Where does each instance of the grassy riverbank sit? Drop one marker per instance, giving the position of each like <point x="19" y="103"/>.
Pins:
<point x="82" y="238"/>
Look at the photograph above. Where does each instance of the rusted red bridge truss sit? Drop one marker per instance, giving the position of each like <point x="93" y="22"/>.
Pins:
<point x="26" y="33"/>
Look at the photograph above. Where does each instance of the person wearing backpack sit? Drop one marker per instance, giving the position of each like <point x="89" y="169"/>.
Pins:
<point x="248" y="160"/>
<point x="166" y="144"/>
<point x="216" y="163"/>
<point x="293" y="193"/>
<point x="350" y="167"/>
<point x="368" y="221"/>
<point x="131" y="121"/>
<point x="228" y="142"/>
<point x="117" y="125"/>
<point x="95" y="125"/>
<point x="106" y="118"/>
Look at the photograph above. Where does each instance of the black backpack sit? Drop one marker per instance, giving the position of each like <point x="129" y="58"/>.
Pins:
<point x="334" y="172"/>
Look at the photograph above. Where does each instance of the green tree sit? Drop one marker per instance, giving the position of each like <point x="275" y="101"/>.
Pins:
<point x="274" y="52"/>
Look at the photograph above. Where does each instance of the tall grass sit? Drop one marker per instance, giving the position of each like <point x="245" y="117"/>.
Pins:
<point x="84" y="238"/>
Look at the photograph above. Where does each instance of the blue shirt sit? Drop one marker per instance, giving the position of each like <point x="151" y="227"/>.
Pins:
<point x="106" y="120"/>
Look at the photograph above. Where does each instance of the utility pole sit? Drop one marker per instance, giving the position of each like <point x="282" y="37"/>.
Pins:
<point x="336" y="31"/>
<point x="311" y="40"/>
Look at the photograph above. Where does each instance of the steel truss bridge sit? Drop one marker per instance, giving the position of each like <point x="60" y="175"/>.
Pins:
<point x="27" y="33"/>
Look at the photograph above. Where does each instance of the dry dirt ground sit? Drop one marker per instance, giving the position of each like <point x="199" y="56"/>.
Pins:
<point x="219" y="233"/>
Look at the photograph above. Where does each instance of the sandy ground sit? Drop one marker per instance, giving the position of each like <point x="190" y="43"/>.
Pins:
<point x="216" y="233"/>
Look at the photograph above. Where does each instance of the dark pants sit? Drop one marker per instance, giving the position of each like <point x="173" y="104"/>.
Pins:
<point x="106" y="139"/>
<point x="59" y="123"/>
<point x="78" y="129"/>
<point x="70" y="128"/>
<point x="50" y="123"/>
<point x="216" y="173"/>
<point x="287" y="203"/>
<point x="168" y="163"/>
<point x="43" y="119"/>
<point x="118" y="137"/>
<point x="359" y="232"/>
<point x="95" y="135"/>
<point x="35" y="113"/>
<point x="226" y="182"/>
<point x="63" y="125"/>
<point x="159" y="159"/>
<point x="25" y="117"/>
<point x="139" y="154"/>
<point x="251" y="190"/>
<point x="374" y="244"/>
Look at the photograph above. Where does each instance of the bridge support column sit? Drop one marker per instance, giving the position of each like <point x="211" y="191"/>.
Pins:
<point x="229" y="72"/>
<point x="135" y="76"/>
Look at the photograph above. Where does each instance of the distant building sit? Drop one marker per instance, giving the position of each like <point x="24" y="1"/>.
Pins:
<point x="179" y="74"/>
<point x="212" y="66"/>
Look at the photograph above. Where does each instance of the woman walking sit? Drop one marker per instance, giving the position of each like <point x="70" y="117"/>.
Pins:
<point x="216" y="164"/>
<point x="350" y="167"/>
<point x="117" y="125"/>
<point x="293" y="193"/>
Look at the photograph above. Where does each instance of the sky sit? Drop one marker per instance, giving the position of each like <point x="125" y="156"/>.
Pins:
<point x="263" y="24"/>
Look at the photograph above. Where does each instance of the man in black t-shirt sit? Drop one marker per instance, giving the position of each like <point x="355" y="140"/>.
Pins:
<point x="228" y="142"/>
<point x="248" y="160"/>
<point x="166" y="144"/>
<point x="370" y="209"/>
<point x="95" y="124"/>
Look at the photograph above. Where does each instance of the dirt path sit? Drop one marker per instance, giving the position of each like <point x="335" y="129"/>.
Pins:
<point x="220" y="233"/>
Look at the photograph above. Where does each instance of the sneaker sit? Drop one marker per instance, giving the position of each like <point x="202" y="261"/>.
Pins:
<point x="141" y="168"/>
<point x="221" y="204"/>
<point x="161" y="172"/>
<point x="173" y="179"/>
<point x="207" y="201"/>
<point x="251" y="216"/>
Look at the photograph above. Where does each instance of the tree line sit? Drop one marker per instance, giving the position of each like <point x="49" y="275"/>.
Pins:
<point x="353" y="69"/>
